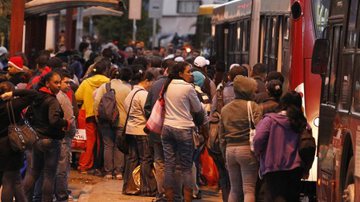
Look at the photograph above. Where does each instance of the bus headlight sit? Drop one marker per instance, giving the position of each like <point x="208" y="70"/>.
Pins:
<point x="316" y="122"/>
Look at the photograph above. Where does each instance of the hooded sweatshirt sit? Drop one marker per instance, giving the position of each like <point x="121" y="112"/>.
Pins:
<point x="276" y="143"/>
<point x="85" y="92"/>
<point x="47" y="117"/>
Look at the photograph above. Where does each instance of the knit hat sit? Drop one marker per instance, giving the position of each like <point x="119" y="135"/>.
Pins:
<point x="244" y="86"/>
<point x="199" y="78"/>
<point x="16" y="62"/>
<point x="200" y="61"/>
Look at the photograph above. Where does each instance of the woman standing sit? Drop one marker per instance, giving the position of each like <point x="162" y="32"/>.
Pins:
<point x="276" y="143"/>
<point x="46" y="117"/>
<point x="234" y="138"/>
<point x="177" y="136"/>
<point x="139" y="150"/>
<point x="84" y="93"/>
<point x="11" y="161"/>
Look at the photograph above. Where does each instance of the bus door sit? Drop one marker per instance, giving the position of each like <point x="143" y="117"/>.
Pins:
<point x="329" y="97"/>
<point x="239" y="42"/>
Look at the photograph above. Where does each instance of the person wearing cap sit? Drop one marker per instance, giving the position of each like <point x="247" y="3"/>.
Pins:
<point x="200" y="64"/>
<point x="16" y="73"/>
<point x="234" y="139"/>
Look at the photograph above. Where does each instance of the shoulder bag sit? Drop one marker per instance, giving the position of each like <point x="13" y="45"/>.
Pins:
<point x="251" y="126"/>
<point x="21" y="135"/>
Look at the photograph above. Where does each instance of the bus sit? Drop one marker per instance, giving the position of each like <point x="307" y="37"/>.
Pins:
<point x="280" y="34"/>
<point x="336" y="58"/>
<point x="203" y="34"/>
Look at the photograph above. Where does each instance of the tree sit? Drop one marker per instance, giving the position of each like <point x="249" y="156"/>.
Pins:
<point x="120" y="28"/>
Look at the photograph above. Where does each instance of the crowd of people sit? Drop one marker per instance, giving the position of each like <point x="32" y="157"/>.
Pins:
<point x="207" y="107"/>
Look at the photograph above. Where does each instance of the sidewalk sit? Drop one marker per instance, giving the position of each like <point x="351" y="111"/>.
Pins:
<point x="88" y="188"/>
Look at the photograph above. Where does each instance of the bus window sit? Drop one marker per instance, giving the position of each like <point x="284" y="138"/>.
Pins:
<point x="320" y="15"/>
<point x="274" y="44"/>
<point x="330" y="80"/>
<point x="356" y="86"/>
<point x="345" y="86"/>
<point x="351" y="32"/>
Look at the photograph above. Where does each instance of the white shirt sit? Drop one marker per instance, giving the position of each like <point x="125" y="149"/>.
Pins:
<point x="180" y="101"/>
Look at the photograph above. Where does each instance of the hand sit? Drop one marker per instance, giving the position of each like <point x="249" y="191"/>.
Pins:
<point x="7" y="95"/>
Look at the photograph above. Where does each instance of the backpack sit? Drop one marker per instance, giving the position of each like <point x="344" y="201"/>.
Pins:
<point x="213" y="142"/>
<point x="307" y="148"/>
<point x="107" y="110"/>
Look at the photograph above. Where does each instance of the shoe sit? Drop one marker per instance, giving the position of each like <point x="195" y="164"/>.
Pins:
<point x="95" y="172"/>
<point x="108" y="177"/>
<point x="118" y="177"/>
<point x="197" y="196"/>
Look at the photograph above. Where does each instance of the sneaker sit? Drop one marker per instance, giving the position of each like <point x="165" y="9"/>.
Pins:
<point x="197" y="196"/>
<point x="108" y="177"/>
<point x="118" y="177"/>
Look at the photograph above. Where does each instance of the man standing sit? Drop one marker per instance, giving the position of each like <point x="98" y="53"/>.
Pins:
<point x="65" y="97"/>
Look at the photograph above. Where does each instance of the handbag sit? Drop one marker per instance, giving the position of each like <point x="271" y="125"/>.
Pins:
<point x="21" y="135"/>
<point x="251" y="126"/>
<point x="156" y="120"/>
<point x="121" y="140"/>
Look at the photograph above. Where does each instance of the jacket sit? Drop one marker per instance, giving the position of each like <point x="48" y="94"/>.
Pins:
<point x="85" y="92"/>
<point x="136" y="121"/>
<point x="234" y="123"/>
<point x="46" y="115"/>
<point x="276" y="144"/>
<point x="11" y="160"/>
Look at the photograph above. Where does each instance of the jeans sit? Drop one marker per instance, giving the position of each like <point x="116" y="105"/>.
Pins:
<point x="139" y="153"/>
<point x="113" y="157"/>
<point x="12" y="186"/>
<point x="63" y="170"/>
<point x="178" y="143"/>
<point x="283" y="186"/>
<point x="243" y="170"/>
<point x="159" y="174"/>
<point x="45" y="157"/>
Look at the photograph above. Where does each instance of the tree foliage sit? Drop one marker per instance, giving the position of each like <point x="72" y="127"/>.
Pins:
<point x="120" y="28"/>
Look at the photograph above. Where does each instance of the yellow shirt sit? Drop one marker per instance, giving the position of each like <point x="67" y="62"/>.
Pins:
<point x="86" y="90"/>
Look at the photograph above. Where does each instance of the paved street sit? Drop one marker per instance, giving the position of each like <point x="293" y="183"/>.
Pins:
<point x="88" y="188"/>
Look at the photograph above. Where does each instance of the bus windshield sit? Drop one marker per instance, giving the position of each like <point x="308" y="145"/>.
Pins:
<point x="320" y="15"/>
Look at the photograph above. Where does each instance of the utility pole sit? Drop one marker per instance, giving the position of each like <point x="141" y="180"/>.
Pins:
<point x="16" y="26"/>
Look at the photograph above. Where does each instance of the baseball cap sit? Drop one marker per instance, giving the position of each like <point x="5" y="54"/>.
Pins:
<point x="200" y="61"/>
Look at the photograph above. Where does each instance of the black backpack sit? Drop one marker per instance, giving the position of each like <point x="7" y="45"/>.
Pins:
<point x="107" y="110"/>
<point x="307" y="148"/>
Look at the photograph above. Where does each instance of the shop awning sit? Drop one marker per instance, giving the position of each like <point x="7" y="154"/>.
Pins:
<point x="99" y="10"/>
<point x="37" y="7"/>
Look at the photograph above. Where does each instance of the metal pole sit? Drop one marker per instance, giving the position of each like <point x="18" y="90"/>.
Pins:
<point x="79" y="27"/>
<point x="134" y="31"/>
<point x="91" y="26"/>
<point x="154" y="33"/>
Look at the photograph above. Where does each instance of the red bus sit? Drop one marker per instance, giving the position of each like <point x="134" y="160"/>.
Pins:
<point x="336" y="58"/>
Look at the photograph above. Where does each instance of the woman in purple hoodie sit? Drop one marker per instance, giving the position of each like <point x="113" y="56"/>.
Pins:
<point x="276" y="143"/>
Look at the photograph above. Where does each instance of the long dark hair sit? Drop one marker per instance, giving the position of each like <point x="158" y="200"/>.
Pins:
<point x="102" y="67"/>
<point x="292" y="103"/>
<point x="46" y="78"/>
<point x="174" y="74"/>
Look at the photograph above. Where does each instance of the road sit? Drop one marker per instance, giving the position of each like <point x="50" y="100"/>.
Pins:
<point x="89" y="188"/>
